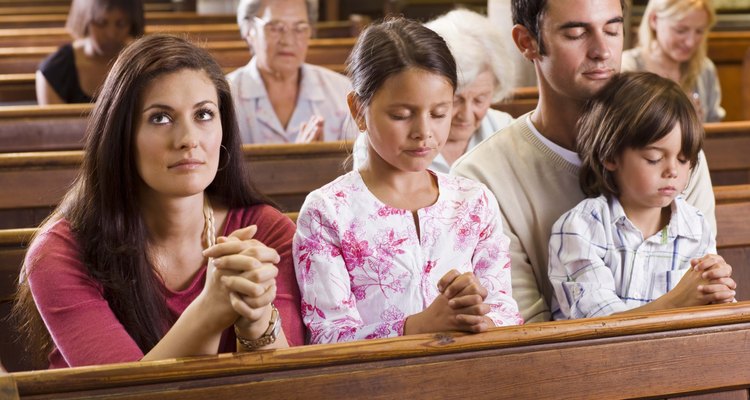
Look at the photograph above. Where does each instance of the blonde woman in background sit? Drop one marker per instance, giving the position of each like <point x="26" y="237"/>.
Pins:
<point x="672" y="42"/>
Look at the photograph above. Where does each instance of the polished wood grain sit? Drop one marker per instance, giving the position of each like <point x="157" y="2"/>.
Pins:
<point x="152" y="18"/>
<point x="201" y="31"/>
<point x="229" y="54"/>
<point x="635" y="356"/>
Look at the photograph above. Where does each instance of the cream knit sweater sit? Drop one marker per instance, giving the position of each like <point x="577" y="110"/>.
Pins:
<point x="534" y="186"/>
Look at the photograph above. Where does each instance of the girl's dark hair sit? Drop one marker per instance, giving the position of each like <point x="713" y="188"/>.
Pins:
<point x="83" y="12"/>
<point x="103" y="208"/>
<point x="392" y="46"/>
<point x="633" y="110"/>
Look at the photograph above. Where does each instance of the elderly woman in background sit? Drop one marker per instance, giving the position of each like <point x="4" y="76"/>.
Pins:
<point x="485" y="76"/>
<point x="101" y="28"/>
<point x="672" y="42"/>
<point x="279" y="98"/>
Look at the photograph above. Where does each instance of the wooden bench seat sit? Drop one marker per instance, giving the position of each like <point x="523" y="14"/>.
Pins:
<point x="656" y="355"/>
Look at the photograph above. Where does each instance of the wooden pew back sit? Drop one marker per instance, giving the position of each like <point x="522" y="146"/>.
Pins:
<point x="725" y="145"/>
<point x="636" y="356"/>
<point x="727" y="50"/>
<point x="152" y="18"/>
<point x="285" y="172"/>
<point x="229" y="54"/>
<point x="199" y="32"/>
<point x="43" y="128"/>
<point x="55" y="8"/>
<point x="61" y="128"/>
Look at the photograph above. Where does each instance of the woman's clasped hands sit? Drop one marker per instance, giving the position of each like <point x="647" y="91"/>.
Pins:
<point x="241" y="281"/>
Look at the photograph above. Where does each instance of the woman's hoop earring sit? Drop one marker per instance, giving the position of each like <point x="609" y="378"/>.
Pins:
<point x="229" y="157"/>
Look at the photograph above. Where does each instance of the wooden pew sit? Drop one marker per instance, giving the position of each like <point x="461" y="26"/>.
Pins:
<point x="53" y="23"/>
<point x="732" y="213"/>
<point x="43" y="128"/>
<point x="733" y="239"/>
<point x="20" y="89"/>
<point x="229" y="54"/>
<point x="727" y="50"/>
<point x="34" y="128"/>
<point x="61" y="127"/>
<point x="57" y="36"/>
<point x="17" y="88"/>
<point x="726" y="145"/>
<point x="27" y="9"/>
<point x="35" y="182"/>
<point x="694" y="351"/>
<point x="152" y="18"/>
<point x="53" y="3"/>
<point x="521" y="101"/>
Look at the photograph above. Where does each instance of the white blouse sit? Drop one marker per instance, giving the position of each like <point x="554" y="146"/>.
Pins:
<point x="322" y="92"/>
<point x="362" y="269"/>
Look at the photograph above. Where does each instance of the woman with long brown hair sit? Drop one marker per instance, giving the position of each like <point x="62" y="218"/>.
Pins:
<point x="162" y="248"/>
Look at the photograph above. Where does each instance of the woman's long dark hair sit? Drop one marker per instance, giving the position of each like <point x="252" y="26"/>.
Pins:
<point x="103" y="208"/>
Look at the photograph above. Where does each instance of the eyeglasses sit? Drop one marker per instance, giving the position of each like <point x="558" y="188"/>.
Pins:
<point x="274" y="29"/>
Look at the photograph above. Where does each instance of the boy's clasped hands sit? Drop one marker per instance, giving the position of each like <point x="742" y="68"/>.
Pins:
<point x="707" y="281"/>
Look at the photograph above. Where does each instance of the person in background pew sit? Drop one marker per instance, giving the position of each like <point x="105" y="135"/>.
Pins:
<point x="672" y="42"/>
<point x="634" y="244"/>
<point x="101" y="28"/>
<point x="485" y="76"/>
<point x="278" y="97"/>
<point x="163" y="248"/>
<point x="394" y="248"/>
<point x="531" y="166"/>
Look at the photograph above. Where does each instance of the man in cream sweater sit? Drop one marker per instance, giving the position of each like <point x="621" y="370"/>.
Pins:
<point x="531" y="165"/>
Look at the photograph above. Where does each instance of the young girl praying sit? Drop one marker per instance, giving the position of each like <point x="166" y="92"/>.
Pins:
<point x="635" y="244"/>
<point x="394" y="248"/>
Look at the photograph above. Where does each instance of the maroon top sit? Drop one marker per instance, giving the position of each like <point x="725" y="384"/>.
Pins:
<point x="84" y="329"/>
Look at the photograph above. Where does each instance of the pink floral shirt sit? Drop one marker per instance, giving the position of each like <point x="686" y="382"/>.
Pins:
<point x="362" y="269"/>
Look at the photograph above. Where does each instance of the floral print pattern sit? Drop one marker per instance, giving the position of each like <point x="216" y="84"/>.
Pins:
<point x="362" y="268"/>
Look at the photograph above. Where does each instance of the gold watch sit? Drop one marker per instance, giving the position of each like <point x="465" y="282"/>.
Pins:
<point x="268" y="337"/>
